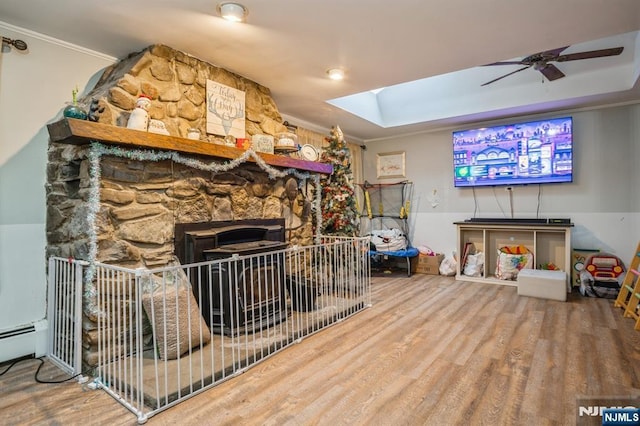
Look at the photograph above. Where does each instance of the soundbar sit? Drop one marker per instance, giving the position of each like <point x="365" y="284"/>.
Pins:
<point x="505" y="220"/>
<point x="519" y="220"/>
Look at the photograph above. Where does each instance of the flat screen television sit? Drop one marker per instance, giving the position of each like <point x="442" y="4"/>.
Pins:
<point x="531" y="152"/>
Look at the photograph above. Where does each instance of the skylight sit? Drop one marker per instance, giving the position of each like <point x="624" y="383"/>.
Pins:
<point x="461" y="93"/>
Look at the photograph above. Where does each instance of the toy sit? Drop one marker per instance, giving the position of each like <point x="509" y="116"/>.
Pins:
<point x="602" y="276"/>
<point x="549" y="266"/>
<point x="604" y="266"/>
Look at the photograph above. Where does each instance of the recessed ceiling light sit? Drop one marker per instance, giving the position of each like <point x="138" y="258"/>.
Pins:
<point x="335" y="74"/>
<point x="231" y="11"/>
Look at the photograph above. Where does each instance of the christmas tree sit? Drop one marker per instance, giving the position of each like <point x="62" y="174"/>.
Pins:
<point x="338" y="202"/>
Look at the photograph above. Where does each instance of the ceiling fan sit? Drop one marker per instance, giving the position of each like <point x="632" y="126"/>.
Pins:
<point x="541" y="61"/>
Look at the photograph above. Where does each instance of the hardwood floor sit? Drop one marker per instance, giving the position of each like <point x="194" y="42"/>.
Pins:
<point x="430" y="351"/>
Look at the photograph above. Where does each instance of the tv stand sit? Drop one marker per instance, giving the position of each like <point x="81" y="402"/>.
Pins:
<point x="549" y="243"/>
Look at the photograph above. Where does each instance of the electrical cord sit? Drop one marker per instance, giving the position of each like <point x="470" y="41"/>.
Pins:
<point x="475" y="201"/>
<point x="495" y="196"/>
<point x="50" y="382"/>
<point x="14" y="363"/>
<point x="538" y="206"/>
<point x="38" y="380"/>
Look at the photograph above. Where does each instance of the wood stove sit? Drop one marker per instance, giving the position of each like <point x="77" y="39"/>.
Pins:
<point x="236" y="295"/>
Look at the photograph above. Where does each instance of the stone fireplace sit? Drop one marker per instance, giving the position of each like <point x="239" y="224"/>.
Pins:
<point x="116" y="195"/>
<point x="140" y="203"/>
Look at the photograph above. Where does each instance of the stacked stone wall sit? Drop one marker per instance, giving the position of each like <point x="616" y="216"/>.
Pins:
<point x="176" y="83"/>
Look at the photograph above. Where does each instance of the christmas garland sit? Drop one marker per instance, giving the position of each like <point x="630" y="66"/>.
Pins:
<point x="97" y="150"/>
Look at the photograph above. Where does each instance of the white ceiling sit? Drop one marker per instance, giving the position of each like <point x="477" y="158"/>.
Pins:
<point x="287" y="45"/>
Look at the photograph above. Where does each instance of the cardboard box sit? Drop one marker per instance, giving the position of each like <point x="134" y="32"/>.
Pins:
<point x="429" y="264"/>
<point x="578" y="257"/>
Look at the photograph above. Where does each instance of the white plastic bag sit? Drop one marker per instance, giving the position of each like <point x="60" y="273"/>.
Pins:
<point x="448" y="265"/>
<point x="475" y="265"/>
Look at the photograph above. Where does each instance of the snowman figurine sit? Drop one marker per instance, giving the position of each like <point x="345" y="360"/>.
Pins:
<point x="139" y="118"/>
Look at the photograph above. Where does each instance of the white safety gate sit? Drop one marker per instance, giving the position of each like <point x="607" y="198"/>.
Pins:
<point x="64" y="313"/>
<point x="166" y="334"/>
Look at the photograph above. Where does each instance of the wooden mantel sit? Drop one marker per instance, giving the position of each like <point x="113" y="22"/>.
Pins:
<point x="79" y="132"/>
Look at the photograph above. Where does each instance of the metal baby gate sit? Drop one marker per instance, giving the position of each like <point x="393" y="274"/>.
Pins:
<point x="163" y="335"/>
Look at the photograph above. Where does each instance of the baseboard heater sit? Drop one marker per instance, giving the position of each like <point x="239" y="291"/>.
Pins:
<point x="24" y="341"/>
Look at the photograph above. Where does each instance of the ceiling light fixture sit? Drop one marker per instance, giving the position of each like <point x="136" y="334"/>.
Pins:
<point x="231" y="11"/>
<point x="335" y="74"/>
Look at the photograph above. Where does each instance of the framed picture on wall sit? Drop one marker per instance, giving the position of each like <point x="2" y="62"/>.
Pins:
<point x="391" y="165"/>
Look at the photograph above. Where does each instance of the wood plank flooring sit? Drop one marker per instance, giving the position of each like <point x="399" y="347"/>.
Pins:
<point x="430" y="351"/>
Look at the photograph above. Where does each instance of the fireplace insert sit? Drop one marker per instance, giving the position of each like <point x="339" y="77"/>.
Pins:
<point x="236" y="295"/>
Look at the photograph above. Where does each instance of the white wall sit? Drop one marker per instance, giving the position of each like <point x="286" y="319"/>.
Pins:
<point x="34" y="86"/>
<point x="603" y="201"/>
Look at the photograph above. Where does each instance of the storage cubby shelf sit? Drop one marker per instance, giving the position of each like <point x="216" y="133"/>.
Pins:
<point x="549" y="243"/>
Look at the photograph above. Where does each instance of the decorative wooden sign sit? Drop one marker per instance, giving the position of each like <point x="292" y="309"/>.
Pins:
<point x="262" y="143"/>
<point x="225" y="110"/>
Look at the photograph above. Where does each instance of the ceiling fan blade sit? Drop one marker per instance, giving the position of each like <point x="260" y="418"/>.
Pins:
<point x="504" y="63"/>
<point x="553" y="52"/>
<point x="590" y="54"/>
<point x="551" y="72"/>
<point x="506" y="75"/>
